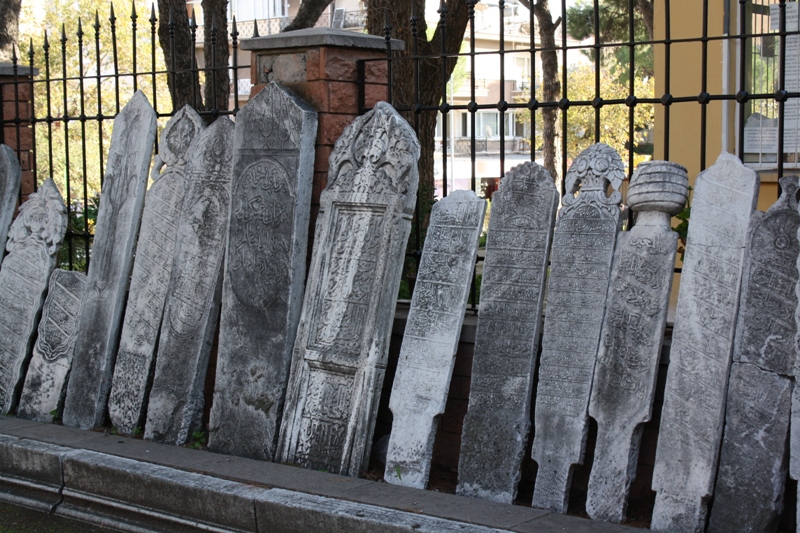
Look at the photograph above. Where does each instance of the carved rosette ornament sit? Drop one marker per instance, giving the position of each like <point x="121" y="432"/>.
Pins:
<point x="33" y="243"/>
<point x="342" y="342"/>
<point x="633" y="328"/>
<point x="151" y="272"/>
<point x="583" y="245"/>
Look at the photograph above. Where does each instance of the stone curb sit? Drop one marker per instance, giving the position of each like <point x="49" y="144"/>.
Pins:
<point x="134" y="485"/>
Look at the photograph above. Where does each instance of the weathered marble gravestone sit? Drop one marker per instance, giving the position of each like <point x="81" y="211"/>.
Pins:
<point x="151" y="272"/>
<point x="702" y="340"/>
<point x="262" y="292"/>
<point x="580" y="262"/>
<point x="753" y="461"/>
<point x="10" y="173"/>
<point x="175" y="405"/>
<point x="109" y="273"/>
<point x="33" y="242"/>
<point x="430" y="341"/>
<point x="342" y="342"/>
<point x="46" y="380"/>
<point x="496" y="426"/>
<point x="633" y="329"/>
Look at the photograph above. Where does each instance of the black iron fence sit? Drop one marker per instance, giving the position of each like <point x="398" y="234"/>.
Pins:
<point x="87" y="67"/>
<point x="616" y="86"/>
<point x="627" y="91"/>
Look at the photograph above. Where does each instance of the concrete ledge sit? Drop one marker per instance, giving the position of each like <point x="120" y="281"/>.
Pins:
<point x="134" y="485"/>
<point x="313" y="37"/>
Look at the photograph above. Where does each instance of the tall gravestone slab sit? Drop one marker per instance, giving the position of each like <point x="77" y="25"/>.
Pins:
<point x="46" y="380"/>
<point x="33" y="242"/>
<point x="151" y="272"/>
<point x="118" y="219"/>
<point x="794" y="422"/>
<point x="342" y="342"/>
<point x="633" y="330"/>
<point x="10" y="173"/>
<point x="580" y="262"/>
<point x="431" y="337"/>
<point x="262" y="292"/>
<point x="702" y="341"/>
<point x="753" y="462"/>
<point x="175" y="406"/>
<point x="496" y="426"/>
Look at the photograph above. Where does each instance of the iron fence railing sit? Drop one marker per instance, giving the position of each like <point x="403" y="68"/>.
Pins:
<point x="85" y="75"/>
<point x="747" y="94"/>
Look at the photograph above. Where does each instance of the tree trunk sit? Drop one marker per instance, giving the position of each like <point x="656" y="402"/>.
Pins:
<point x="551" y="86"/>
<point x="215" y="49"/>
<point x="184" y="85"/>
<point x="432" y="76"/>
<point x="308" y="14"/>
<point x="9" y="29"/>
<point x="645" y="8"/>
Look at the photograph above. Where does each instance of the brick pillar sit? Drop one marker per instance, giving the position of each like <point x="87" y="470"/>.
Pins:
<point x="320" y="66"/>
<point x="16" y="113"/>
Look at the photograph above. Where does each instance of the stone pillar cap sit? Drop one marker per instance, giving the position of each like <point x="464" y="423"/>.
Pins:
<point x="7" y="69"/>
<point x="314" y="37"/>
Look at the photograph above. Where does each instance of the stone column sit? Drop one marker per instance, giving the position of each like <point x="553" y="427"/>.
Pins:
<point x="320" y="65"/>
<point x="17" y="104"/>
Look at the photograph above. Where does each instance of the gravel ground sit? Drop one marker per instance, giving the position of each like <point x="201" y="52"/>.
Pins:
<point x="20" y="520"/>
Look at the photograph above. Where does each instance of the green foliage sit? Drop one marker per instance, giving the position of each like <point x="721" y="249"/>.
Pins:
<point x="613" y="28"/>
<point x="81" y="223"/>
<point x="682" y="229"/>
<point x="89" y="91"/>
<point x="198" y="441"/>
<point x="614" y="119"/>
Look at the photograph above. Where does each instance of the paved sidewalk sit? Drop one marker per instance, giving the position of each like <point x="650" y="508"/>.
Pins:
<point x="140" y="485"/>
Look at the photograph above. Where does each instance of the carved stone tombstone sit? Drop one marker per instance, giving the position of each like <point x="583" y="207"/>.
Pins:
<point x="431" y="337"/>
<point x="262" y="293"/>
<point x="46" y="380"/>
<point x="109" y="273"/>
<point x="583" y="246"/>
<point x="175" y="405"/>
<point x="633" y="330"/>
<point x="10" y="173"/>
<point x="33" y="242"/>
<point x="151" y="272"/>
<point x="496" y="426"/>
<point x="753" y="462"/>
<point x="702" y="341"/>
<point x="342" y="342"/>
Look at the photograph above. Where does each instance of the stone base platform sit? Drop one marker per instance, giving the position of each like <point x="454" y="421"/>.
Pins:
<point x="135" y="485"/>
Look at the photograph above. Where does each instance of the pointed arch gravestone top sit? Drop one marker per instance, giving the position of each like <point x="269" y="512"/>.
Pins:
<point x="262" y="292"/>
<point x="702" y="340"/>
<point x="583" y="246"/>
<point x="109" y="273"/>
<point x="33" y="242"/>
<point x="342" y="342"/>
<point x="151" y="272"/>
<point x="625" y="373"/>
<point x="496" y="426"/>
<point x="191" y="310"/>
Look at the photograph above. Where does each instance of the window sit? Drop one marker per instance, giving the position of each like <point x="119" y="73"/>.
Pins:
<point x="763" y="68"/>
